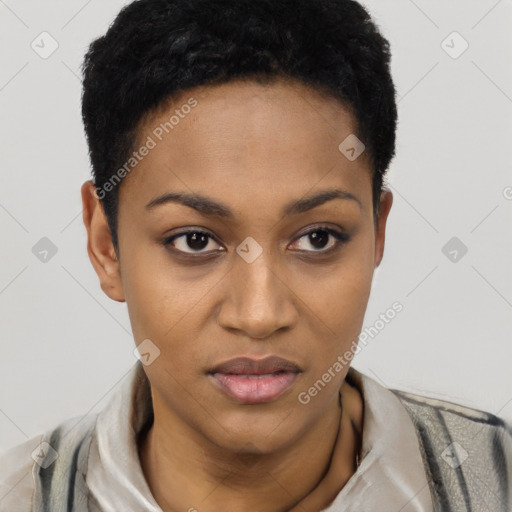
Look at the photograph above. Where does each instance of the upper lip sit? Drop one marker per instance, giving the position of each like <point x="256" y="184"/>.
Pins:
<point x="248" y="366"/>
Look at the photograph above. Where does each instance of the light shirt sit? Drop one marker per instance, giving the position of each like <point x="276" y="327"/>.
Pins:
<point x="391" y="474"/>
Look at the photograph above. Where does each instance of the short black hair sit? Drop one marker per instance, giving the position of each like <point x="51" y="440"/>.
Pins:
<point x="156" y="49"/>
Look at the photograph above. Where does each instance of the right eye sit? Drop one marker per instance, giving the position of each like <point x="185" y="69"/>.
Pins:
<point x="192" y="242"/>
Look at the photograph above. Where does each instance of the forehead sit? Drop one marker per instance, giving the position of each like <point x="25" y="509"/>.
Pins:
<point x="238" y="138"/>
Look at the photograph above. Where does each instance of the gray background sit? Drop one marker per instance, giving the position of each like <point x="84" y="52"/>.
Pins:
<point x="66" y="346"/>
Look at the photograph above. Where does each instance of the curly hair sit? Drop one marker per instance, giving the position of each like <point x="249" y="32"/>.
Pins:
<point x="156" y="49"/>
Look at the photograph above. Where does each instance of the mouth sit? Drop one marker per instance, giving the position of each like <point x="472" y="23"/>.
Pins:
<point x="252" y="381"/>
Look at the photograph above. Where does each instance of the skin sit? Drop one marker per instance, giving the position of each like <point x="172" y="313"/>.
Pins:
<point x="253" y="148"/>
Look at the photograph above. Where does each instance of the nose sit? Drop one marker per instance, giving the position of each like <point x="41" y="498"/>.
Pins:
<point x="259" y="302"/>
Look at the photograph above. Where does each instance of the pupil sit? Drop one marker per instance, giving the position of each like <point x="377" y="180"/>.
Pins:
<point x="197" y="240"/>
<point x="317" y="240"/>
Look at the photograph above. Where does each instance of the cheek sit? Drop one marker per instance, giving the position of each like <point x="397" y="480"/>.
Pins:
<point x="166" y="308"/>
<point x="341" y="296"/>
<point x="340" y="301"/>
<point x="341" y="316"/>
<point x="157" y="298"/>
<point x="352" y="299"/>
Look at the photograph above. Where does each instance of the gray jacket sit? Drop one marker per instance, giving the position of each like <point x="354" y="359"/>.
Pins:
<point x="467" y="456"/>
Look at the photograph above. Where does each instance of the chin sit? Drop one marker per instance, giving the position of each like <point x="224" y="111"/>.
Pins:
<point x="265" y="434"/>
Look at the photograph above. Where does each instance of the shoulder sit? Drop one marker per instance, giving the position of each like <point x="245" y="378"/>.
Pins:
<point x="16" y="482"/>
<point x="27" y="469"/>
<point x="466" y="451"/>
<point x="458" y="422"/>
<point x="452" y="415"/>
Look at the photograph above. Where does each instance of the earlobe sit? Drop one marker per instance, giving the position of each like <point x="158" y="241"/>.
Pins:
<point x="99" y="244"/>
<point x="386" y="201"/>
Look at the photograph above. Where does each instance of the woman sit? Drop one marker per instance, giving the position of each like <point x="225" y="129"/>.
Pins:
<point x="239" y="150"/>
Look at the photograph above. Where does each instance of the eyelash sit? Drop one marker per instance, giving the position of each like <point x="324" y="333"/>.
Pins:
<point x="340" y="238"/>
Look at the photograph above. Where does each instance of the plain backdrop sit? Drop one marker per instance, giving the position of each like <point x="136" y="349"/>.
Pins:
<point x="65" y="346"/>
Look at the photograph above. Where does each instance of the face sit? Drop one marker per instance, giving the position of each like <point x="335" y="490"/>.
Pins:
<point x="273" y="254"/>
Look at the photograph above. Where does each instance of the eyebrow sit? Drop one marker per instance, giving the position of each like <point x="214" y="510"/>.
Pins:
<point x="210" y="207"/>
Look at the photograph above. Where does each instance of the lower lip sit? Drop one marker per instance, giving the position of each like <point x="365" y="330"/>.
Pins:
<point x="252" y="389"/>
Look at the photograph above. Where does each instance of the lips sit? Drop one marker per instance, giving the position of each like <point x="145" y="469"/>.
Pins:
<point x="248" y="366"/>
<point x="253" y="381"/>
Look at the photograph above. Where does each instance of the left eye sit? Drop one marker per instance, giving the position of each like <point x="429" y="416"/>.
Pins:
<point x="318" y="239"/>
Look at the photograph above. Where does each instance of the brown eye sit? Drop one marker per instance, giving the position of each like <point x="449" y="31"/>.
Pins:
<point x="192" y="242"/>
<point x="321" y="240"/>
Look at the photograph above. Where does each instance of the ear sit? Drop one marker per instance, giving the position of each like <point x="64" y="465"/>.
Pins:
<point x="386" y="200"/>
<point x="99" y="243"/>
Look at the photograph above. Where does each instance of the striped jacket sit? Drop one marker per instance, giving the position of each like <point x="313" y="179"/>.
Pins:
<point x="467" y="456"/>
